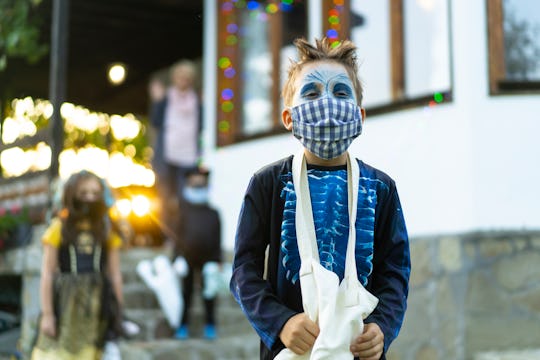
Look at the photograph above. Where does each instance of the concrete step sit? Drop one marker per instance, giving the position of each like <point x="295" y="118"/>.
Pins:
<point x="245" y="347"/>
<point x="129" y="258"/>
<point x="230" y="322"/>
<point x="138" y="295"/>
<point x="523" y="354"/>
<point x="152" y="323"/>
<point x="142" y="307"/>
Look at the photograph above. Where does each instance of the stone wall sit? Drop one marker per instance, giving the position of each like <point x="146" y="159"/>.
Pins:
<point x="472" y="296"/>
<point x="26" y="261"/>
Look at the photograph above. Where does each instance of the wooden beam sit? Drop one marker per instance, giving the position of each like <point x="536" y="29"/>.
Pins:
<point x="397" y="53"/>
<point x="495" y="29"/>
<point x="275" y="34"/>
<point x="344" y="9"/>
<point x="228" y="123"/>
<point x="58" y="79"/>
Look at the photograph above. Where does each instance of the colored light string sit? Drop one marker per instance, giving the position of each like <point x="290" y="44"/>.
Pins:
<point x="231" y="39"/>
<point x="439" y="98"/>
<point x="334" y="22"/>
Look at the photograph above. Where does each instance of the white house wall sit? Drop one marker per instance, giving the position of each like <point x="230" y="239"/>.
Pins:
<point x="472" y="164"/>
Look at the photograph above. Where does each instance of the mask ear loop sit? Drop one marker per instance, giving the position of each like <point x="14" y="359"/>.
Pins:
<point x="107" y="194"/>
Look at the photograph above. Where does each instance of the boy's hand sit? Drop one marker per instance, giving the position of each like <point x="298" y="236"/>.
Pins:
<point x="299" y="333"/>
<point x="47" y="325"/>
<point x="369" y="345"/>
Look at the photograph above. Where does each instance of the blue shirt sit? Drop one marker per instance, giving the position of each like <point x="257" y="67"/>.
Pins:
<point x="329" y="201"/>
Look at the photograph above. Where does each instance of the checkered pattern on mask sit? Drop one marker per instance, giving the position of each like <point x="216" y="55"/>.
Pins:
<point x="327" y="126"/>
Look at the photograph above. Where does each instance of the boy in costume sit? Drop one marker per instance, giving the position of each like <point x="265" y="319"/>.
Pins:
<point x="322" y="97"/>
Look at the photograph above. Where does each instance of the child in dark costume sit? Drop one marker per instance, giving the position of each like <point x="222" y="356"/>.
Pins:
<point x="199" y="242"/>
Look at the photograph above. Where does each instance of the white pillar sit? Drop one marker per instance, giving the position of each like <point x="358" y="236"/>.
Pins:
<point x="209" y="80"/>
<point x="315" y="28"/>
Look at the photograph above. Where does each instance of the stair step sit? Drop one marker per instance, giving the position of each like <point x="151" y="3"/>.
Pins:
<point x="129" y="258"/>
<point x="142" y="307"/>
<point x="139" y="296"/>
<point x="230" y="322"/>
<point x="244" y="347"/>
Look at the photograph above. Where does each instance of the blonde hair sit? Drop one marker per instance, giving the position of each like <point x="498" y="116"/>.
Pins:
<point x="344" y="54"/>
<point x="185" y="65"/>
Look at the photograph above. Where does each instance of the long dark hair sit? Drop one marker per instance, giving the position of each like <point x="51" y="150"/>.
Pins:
<point x="99" y="226"/>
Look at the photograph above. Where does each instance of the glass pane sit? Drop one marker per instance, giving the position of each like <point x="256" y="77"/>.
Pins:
<point x="522" y="39"/>
<point x="256" y="82"/>
<point x="370" y="31"/>
<point x="294" y="26"/>
<point x="427" y="47"/>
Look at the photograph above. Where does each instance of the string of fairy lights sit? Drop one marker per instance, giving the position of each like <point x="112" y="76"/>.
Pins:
<point x="230" y="42"/>
<point x="334" y="20"/>
<point x="123" y="159"/>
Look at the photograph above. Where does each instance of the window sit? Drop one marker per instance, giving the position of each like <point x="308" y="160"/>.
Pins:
<point x="514" y="45"/>
<point x="254" y="47"/>
<point x="256" y="70"/>
<point x="403" y="50"/>
<point x="371" y="32"/>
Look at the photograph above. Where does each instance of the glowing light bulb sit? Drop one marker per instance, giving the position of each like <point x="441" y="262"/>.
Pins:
<point x="124" y="207"/>
<point x="140" y="205"/>
<point x="117" y="74"/>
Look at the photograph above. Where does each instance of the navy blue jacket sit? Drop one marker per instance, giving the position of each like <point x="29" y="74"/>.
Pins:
<point x="267" y="220"/>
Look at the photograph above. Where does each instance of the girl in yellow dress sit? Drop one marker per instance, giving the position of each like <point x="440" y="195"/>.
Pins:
<point x="81" y="283"/>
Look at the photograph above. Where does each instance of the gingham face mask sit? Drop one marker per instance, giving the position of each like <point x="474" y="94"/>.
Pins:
<point x="326" y="126"/>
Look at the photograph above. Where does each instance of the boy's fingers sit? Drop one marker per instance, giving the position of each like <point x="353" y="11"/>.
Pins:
<point x="300" y="346"/>
<point x="299" y="333"/>
<point x="372" y="340"/>
<point x="371" y="331"/>
<point x="302" y="342"/>
<point x="362" y="346"/>
<point x="365" y="341"/>
<point x="309" y="335"/>
<point x="312" y="328"/>
<point x="374" y="353"/>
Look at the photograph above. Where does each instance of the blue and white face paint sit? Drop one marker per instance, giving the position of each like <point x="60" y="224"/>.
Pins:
<point x="325" y="115"/>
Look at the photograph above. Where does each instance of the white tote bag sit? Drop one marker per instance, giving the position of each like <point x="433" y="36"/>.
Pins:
<point x="160" y="276"/>
<point x="338" y="308"/>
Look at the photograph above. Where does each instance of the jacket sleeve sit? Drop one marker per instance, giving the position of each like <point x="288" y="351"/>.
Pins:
<point x="157" y="113"/>
<point x="179" y="229"/>
<point x="219" y="255"/>
<point x="266" y="313"/>
<point x="392" y="266"/>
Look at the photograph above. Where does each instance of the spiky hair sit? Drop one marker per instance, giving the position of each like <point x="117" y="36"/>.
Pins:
<point x="344" y="54"/>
